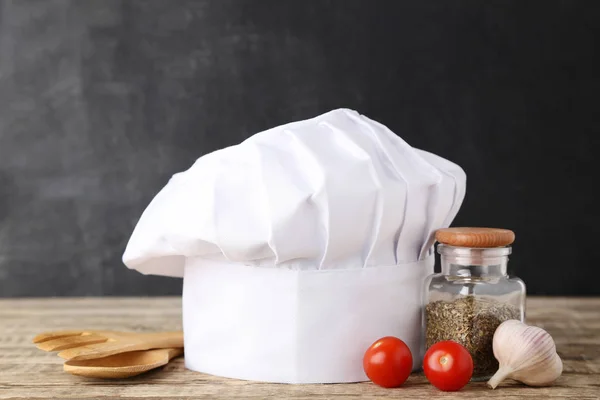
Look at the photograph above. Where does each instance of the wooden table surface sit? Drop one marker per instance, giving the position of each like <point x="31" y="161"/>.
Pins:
<point x="26" y="372"/>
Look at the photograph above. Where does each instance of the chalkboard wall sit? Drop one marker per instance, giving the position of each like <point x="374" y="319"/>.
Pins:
<point x="101" y="101"/>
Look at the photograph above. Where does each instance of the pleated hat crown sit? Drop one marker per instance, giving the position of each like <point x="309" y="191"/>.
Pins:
<point x="338" y="191"/>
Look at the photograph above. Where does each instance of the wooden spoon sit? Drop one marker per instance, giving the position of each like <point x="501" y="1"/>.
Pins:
<point x="122" y="365"/>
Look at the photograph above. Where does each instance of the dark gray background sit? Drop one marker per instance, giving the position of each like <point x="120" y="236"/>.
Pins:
<point x="102" y="101"/>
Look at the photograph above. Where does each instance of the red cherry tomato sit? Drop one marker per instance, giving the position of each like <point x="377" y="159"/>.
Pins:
<point x="448" y="366"/>
<point x="388" y="362"/>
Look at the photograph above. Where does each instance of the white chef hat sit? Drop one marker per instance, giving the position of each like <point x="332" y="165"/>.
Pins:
<point x="299" y="247"/>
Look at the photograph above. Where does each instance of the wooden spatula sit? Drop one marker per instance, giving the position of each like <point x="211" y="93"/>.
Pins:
<point x="122" y="365"/>
<point x="91" y="344"/>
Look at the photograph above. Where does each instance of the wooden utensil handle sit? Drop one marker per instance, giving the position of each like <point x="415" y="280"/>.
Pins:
<point x="161" y="340"/>
<point x="144" y="341"/>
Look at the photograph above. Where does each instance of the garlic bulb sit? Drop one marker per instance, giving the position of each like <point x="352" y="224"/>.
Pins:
<point x="526" y="354"/>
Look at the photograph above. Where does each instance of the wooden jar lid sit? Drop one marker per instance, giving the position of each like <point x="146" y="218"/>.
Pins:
<point x="475" y="237"/>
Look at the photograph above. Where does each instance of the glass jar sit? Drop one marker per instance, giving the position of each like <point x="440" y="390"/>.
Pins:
<point x="469" y="299"/>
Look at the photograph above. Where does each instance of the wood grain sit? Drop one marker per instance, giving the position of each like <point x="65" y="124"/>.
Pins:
<point x="475" y="237"/>
<point x="26" y="372"/>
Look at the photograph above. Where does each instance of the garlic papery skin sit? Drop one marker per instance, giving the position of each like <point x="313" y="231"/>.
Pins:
<point x="526" y="354"/>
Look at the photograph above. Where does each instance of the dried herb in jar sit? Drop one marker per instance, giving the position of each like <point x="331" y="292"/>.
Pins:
<point x="471" y="322"/>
